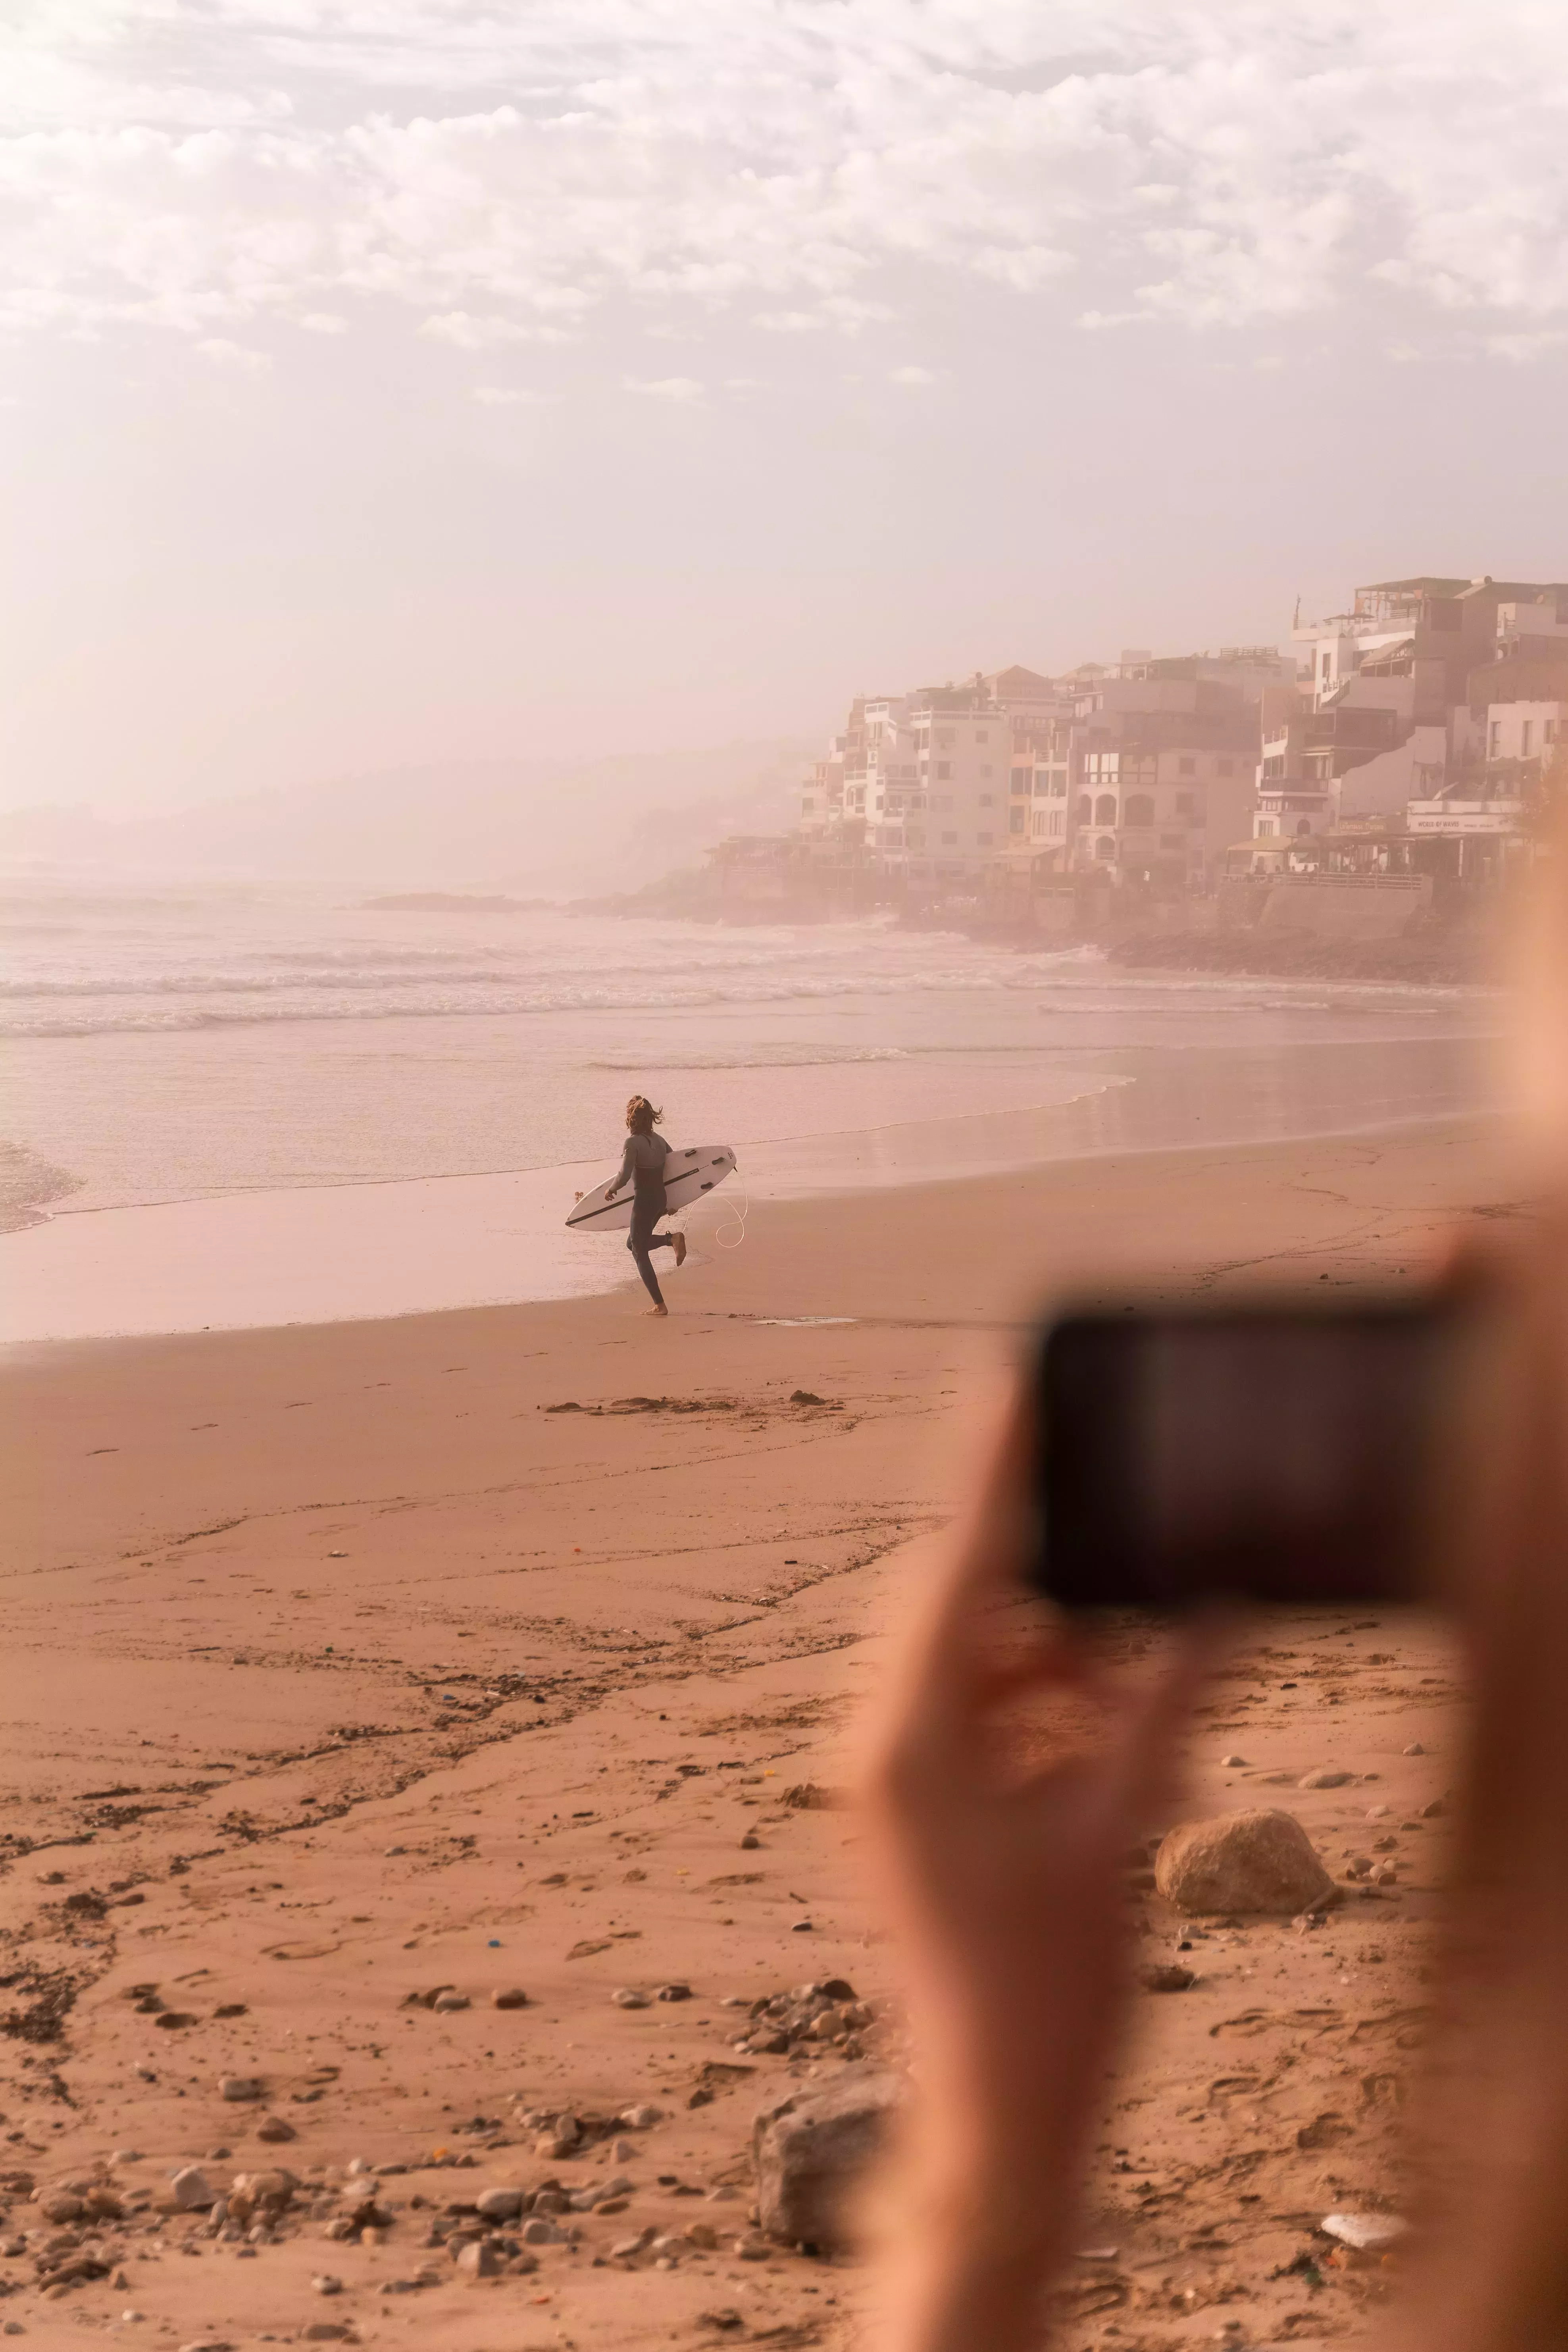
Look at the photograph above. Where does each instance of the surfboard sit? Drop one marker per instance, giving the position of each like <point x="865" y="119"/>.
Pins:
<point x="689" y="1173"/>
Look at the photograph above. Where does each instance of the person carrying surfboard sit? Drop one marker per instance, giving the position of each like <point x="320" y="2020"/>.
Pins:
<point x="642" y="1166"/>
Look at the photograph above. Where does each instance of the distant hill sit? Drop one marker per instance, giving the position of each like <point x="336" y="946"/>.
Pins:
<point x="515" y="824"/>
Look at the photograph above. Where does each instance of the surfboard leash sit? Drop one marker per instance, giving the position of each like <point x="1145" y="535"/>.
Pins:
<point x="740" y="1211"/>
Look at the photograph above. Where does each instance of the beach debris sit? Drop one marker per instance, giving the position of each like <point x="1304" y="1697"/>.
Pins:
<point x="825" y="2013"/>
<point x="631" y="1997"/>
<point x="1324" y="1778"/>
<point x="1415" y="1748"/>
<point x="449" y="2001"/>
<point x="240" y="2088"/>
<point x="810" y="1797"/>
<point x="1166" y="1975"/>
<point x="803" y="1928"/>
<point x="1231" y="1761"/>
<point x="809" y="2152"/>
<point x="193" y="2191"/>
<point x="325" y="2283"/>
<point x="260" y="2193"/>
<point x="1257" y="1859"/>
<point x="674" y="1992"/>
<point x="509" y="1997"/>
<point x="425" y="1997"/>
<point x="1366" y="2233"/>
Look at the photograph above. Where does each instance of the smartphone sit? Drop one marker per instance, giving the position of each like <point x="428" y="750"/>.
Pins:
<point x="1282" y="1451"/>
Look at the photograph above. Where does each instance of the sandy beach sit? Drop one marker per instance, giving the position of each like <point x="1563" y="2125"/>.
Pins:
<point x="518" y="1627"/>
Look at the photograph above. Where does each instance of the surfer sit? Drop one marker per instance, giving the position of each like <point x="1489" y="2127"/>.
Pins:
<point x="642" y="1166"/>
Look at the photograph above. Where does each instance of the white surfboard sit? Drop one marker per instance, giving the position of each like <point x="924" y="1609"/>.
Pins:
<point x="689" y="1173"/>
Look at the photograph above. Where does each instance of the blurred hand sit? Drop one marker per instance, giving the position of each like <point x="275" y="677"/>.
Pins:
<point x="1006" y="1881"/>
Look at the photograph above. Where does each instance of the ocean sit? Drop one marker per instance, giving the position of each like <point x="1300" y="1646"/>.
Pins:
<point x="162" y="1047"/>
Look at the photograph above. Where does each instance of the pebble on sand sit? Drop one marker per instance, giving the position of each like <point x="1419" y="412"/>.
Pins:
<point x="1325" y="1780"/>
<point x="509" y="1997"/>
<point x="1415" y="1748"/>
<point x="193" y="2191"/>
<point x="631" y="1997"/>
<point x="239" y="2087"/>
<point x="1366" y="2232"/>
<point x="1231" y="1761"/>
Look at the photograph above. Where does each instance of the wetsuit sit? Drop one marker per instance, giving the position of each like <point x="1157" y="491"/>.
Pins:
<point x="642" y="1165"/>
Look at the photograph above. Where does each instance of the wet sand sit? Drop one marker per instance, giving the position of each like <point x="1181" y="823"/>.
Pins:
<point x="352" y="1660"/>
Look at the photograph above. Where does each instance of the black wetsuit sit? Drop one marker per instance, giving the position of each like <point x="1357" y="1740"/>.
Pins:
<point x="642" y="1164"/>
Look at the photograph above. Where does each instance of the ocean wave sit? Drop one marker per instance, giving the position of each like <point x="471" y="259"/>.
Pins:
<point x="757" y="1057"/>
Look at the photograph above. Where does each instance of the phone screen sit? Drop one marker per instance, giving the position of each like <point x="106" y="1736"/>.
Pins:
<point x="1282" y="1453"/>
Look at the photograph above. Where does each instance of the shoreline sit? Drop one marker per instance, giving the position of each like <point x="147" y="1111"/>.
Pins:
<point x="368" y="1250"/>
<point x="471" y="1647"/>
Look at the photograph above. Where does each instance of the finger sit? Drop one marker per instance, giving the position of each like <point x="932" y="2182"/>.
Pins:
<point x="925" y="1739"/>
<point x="1144" y="1769"/>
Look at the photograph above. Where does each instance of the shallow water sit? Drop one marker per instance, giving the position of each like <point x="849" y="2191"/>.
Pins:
<point x="187" y="1049"/>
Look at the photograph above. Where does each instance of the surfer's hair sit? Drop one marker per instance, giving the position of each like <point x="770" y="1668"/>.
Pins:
<point x="641" y="1116"/>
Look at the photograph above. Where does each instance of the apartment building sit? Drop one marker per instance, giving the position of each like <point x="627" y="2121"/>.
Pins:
<point x="1388" y="714"/>
<point x="1161" y="771"/>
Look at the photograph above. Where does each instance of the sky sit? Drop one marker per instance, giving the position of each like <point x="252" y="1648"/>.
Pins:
<point x="395" y="380"/>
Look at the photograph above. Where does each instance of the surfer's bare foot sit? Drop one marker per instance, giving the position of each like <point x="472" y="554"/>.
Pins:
<point x="658" y="1310"/>
<point x="680" y="1249"/>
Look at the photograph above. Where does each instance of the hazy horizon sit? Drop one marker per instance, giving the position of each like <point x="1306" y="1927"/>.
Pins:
<point x="394" y="383"/>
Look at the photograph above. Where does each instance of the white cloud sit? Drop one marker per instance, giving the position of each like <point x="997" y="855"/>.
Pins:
<point x="910" y="376"/>
<point x="502" y="395"/>
<point x="325" y="323"/>
<point x="666" y="387"/>
<point x="224" y="354"/>
<point x="504" y="175"/>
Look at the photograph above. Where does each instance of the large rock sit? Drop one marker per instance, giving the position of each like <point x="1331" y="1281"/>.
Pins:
<point x="810" y="2152"/>
<point x="1261" y="1860"/>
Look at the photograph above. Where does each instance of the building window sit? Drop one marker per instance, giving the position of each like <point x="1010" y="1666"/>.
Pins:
<point x="1016" y="820"/>
<point x="985" y="772"/>
<point x="1172" y="841"/>
<point x="1058" y="783"/>
<point x="1085" y="809"/>
<point x="1265" y="825"/>
<point x="949" y="840"/>
<point x="1185" y="767"/>
<point x="1105" y="809"/>
<point x="1526" y="737"/>
<point x="1019" y="780"/>
<point x="983" y="840"/>
<point x="1184" y="803"/>
<point x="944" y="767"/>
<point x="1138" y="809"/>
<point x="1549" y="731"/>
<point x="1104" y="848"/>
<point x="985" y="800"/>
<point x="1494" y="735"/>
<point x="1057" y="815"/>
<point x="1304" y="826"/>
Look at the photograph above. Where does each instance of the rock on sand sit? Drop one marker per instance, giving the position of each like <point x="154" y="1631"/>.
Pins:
<point x="1258" y="1860"/>
<point x="809" y="2153"/>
